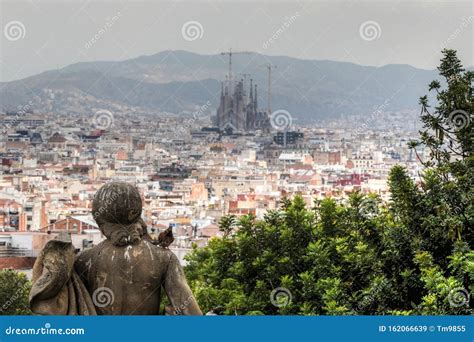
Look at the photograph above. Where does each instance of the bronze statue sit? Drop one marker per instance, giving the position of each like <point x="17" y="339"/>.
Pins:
<point x="124" y="275"/>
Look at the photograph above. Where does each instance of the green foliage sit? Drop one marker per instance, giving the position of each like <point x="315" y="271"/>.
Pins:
<point x="14" y="290"/>
<point x="412" y="255"/>
<point x="448" y="137"/>
<point x="227" y="224"/>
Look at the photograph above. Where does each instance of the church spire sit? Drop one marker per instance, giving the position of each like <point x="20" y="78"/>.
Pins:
<point x="255" y="100"/>
<point x="251" y="91"/>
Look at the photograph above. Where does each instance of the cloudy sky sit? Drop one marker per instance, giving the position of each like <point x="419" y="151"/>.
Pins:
<point x="39" y="35"/>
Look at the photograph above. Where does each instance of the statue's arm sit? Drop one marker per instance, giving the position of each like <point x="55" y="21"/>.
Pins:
<point x="82" y="265"/>
<point x="178" y="291"/>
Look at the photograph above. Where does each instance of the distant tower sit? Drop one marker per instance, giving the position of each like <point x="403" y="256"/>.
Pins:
<point x="251" y="91"/>
<point x="256" y="98"/>
<point x="239" y="112"/>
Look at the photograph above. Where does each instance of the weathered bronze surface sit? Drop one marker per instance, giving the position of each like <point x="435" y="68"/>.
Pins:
<point x="124" y="275"/>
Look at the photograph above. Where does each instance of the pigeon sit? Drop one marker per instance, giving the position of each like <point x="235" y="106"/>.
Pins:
<point x="166" y="238"/>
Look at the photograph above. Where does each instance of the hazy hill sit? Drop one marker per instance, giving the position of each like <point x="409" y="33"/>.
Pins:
<point x="178" y="80"/>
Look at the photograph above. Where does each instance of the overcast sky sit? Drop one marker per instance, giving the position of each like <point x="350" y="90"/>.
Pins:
<point x="39" y="35"/>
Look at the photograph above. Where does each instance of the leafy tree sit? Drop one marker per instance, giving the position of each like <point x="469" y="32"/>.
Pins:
<point x="227" y="224"/>
<point x="412" y="255"/>
<point x="448" y="135"/>
<point x="14" y="290"/>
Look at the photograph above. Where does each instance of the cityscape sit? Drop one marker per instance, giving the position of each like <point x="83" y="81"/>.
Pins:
<point x="236" y="159"/>
<point x="224" y="158"/>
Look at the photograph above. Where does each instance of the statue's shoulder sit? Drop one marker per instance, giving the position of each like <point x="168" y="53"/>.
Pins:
<point x="162" y="253"/>
<point x="91" y="252"/>
<point x="156" y="249"/>
<point x="86" y="258"/>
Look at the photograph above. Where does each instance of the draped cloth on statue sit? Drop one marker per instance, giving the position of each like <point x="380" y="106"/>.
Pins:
<point x="57" y="289"/>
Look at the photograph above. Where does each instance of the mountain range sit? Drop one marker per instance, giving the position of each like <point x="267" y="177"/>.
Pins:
<point x="177" y="81"/>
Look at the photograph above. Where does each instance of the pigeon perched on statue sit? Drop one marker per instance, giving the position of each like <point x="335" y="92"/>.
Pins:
<point x="166" y="237"/>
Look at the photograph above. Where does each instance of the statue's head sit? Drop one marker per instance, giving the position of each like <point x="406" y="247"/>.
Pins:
<point x="117" y="208"/>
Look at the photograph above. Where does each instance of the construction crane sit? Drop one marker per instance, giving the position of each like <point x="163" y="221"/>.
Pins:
<point x="269" y="67"/>
<point x="230" y="53"/>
